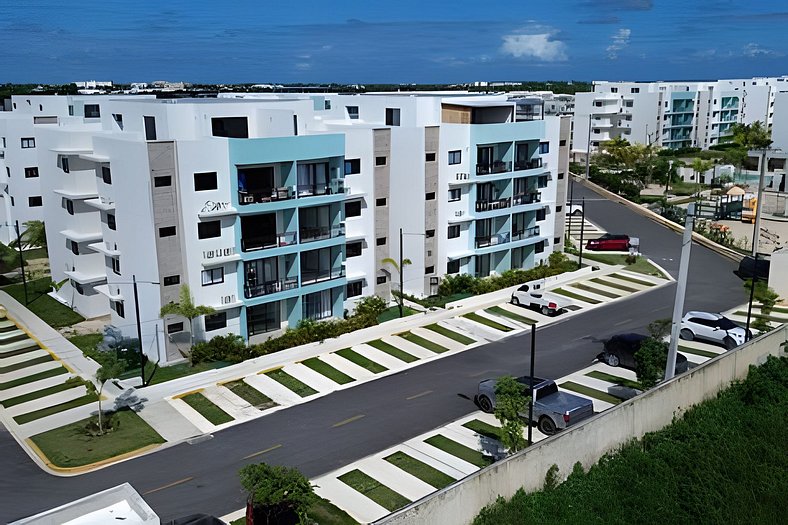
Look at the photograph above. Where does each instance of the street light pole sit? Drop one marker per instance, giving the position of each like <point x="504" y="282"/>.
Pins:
<point x="401" y="278"/>
<point x="753" y="283"/>
<point x="588" y="148"/>
<point x="139" y="328"/>
<point x="582" y="230"/>
<point x="531" y="382"/>
<point x="756" y="233"/>
<point x="681" y="290"/>
<point x="21" y="259"/>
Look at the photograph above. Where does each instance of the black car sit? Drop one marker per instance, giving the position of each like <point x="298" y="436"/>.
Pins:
<point x="620" y="351"/>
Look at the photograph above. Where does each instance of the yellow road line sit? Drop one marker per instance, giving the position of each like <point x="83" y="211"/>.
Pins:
<point x="168" y="485"/>
<point x="269" y="449"/>
<point x="419" y="395"/>
<point x="348" y="420"/>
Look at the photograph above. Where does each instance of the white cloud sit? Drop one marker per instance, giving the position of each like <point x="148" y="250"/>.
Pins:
<point x="620" y="41"/>
<point x="303" y="66"/>
<point x="753" y="50"/>
<point x="541" y="46"/>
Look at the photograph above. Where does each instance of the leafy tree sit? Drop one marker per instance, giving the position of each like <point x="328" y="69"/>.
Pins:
<point x="111" y="368"/>
<point x="510" y="402"/>
<point x="186" y="308"/>
<point x="650" y="362"/>
<point x="767" y="297"/>
<point x="34" y="235"/>
<point x="278" y="494"/>
<point x="395" y="264"/>
<point x="699" y="167"/>
<point x="370" y="308"/>
<point x="751" y="136"/>
<point x="660" y="328"/>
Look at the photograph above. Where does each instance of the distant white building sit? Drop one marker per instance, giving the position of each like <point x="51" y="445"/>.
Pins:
<point x="93" y="84"/>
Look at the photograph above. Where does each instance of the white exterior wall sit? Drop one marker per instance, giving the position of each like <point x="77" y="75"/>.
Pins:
<point x="455" y="137"/>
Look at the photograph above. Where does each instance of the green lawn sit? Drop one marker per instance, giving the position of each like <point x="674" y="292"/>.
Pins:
<point x="473" y="316"/>
<point x="54" y="409"/>
<point x="474" y="457"/>
<point x="207" y="408"/>
<point x="591" y="289"/>
<point x="35" y="253"/>
<point x="632" y="279"/>
<point x="392" y="350"/>
<point x="497" y="310"/>
<point x="70" y="446"/>
<point x="25" y="364"/>
<point x="374" y="490"/>
<point x="393" y="313"/>
<point x="419" y="469"/>
<point x="18" y="400"/>
<point x="291" y="383"/>
<point x="610" y="378"/>
<point x="451" y="334"/>
<point x="250" y="394"/>
<point x="35" y="377"/>
<point x="52" y="312"/>
<point x="323" y="368"/>
<point x="640" y="266"/>
<point x="611" y="284"/>
<point x="86" y="342"/>
<point x="484" y="429"/>
<point x="168" y="373"/>
<point x="590" y="392"/>
<point x="572" y="295"/>
<point x="695" y="351"/>
<point x="354" y="357"/>
<point x="426" y="343"/>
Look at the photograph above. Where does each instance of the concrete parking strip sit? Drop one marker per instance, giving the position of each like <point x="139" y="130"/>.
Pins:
<point x="345" y="366"/>
<point x="380" y="357"/>
<point x="310" y="378"/>
<point x="46" y="401"/>
<point x="34" y="386"/>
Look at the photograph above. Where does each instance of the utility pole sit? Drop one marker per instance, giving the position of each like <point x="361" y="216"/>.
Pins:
<point x="753" y="283"/>
<point x="401" y="278"/>
<point x="681" y="290"/>
<point x="531" y="382"/>
<point x="756" y="233"/>
<point x="21" y="259"/>
<point x="582" y="230"/>
<point x="588" y="148"/>
<point x="139" y="328"/>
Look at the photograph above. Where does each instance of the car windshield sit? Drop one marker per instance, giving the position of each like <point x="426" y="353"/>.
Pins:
<point x="726" y="324"/>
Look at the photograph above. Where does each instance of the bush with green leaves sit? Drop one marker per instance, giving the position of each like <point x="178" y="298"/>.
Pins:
<point x="650" y="361"/>
<point x="230" y="347"/>
<point x="370" y="307"/>
<point x="768" y="298"/>
<point x="278" y="494"/>
<point x="510" y="402"/>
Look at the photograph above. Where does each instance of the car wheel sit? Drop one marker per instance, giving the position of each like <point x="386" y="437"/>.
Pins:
<point x="729" y="343"/>
<point x="485" y="404"/>
<point x="545" y="310"/>
<point x="612" y="360"/>
<point x="515" y="301"/>
<point x="546" y="426"/>
<point x="686" y="334"/>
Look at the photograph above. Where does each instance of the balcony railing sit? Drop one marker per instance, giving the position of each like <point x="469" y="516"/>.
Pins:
<point x="253" y="289"/>
<point x="492" y="240"/>
<point x="525" y="234"/>
<point x="498" y="166"/>
<point x="320" y="233"/>
<point x="333" y="187"/>
<point x="315" y="276"/>
<point x="527" y="198"/>
<point x="264" y="195"/>
<point x="531" y="164"/>
<point x="493" y="205"/>
<point x="273" y="240"/>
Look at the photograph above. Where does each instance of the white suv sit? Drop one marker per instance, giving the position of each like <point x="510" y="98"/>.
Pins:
<point x="712" y="327"/>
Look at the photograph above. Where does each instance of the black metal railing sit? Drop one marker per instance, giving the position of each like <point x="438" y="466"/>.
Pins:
<point x="492" y="240"/>
<point x="320" y="232"/>
<point x="497" y="166"/>
<point x="254" y="289"/>
<point x="493" y="205"/>
<point x="273" y="240"/>
<point x="530" y="164"/>
<point x="260" y="195"/>
<point x="314" y="276"/>
<point x="527" y="198"/>
<point x="333" y="187"/>
<point x="527" y="233"/>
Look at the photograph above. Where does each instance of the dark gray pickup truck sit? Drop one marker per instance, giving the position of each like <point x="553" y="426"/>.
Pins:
<point x="553" y="410"/>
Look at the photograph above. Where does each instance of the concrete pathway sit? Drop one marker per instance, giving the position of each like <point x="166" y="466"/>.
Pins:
<point x="165" y="419"/>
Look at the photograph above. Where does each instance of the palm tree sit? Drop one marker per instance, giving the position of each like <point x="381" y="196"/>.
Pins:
<point x="395" y="264"/>
<point x="112" y="368"/>
<point x="186" y="308"/>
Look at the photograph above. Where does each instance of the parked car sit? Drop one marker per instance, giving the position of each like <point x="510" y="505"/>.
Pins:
<point x="545" y="302"/>
<point x="620" y="350"/>
<point x="553" y="410"/>
<point x="749" y="267"/>
<point x="715" y="328"/>
<point x="609" y="242"/>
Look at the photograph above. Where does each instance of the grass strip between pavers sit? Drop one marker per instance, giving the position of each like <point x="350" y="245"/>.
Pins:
<point x="611" y="284"/>
<point x="250" y="394"/>
<point x="473" y="316"/>
<point x="11" y="353"/>
<point x="30" y="396"/>
<point x="54" y="409"/>
<point x="474" y="457"/>
<point x="603" y="293"/>
<point x="616" y="380"/>
<point x="392" y="350"/>
<point x="695" y="351"/>
<point x="354" y="357"/>
<point x="426" y="343"/>
<point x="52" y="372"/>
<point x="71" y="446"/>
<point x="590" y="392"/>
<point x="291" y="383"/>
<point x="483" y="429"/>
<point x="419" y="469"/>
<point x="374" y="490"/>
<point x="632" y="279"/>
<point x="207" y="408"/>
<point x="578" y="297"/>
<point x="324" y="369"/>
<point x="497" y="310"/>
<point x="438" y="329"/>
<point x="16" y="339"/>
<point x="24" y="364"/>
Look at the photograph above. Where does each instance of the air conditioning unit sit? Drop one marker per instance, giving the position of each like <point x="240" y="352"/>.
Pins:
<point x="247" y="199"/>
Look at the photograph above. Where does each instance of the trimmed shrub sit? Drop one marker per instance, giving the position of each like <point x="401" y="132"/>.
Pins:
<point x="230" y="347"/>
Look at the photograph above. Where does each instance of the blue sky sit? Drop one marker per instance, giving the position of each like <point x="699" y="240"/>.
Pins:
<point x="422" y="41"/>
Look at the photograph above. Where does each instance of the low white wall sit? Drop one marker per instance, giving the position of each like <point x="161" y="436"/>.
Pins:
<point x="587" y="442"/>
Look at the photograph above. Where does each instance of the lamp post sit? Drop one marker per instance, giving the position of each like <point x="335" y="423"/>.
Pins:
<point x="531" y="382"/>
<point x="402" y="269"/>
<point x="21" y="259"/>
<point x="753" y="284"/>
<point x="681" y="290"/>
<point x="756" y="232"/>
<point x="588" y="148"/>
<point x="143" y="359"/>
<point x="582" y="230"/>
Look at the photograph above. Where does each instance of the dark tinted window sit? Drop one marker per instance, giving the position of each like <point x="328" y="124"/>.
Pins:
<point x="171" y="280"/>
<point x="353" y="249"/>
<point x="167" y="231"/>
<point x="164" y="180"/>
<point x="150" y="128"/>
<point x="209" y="230"/>
<point x="205" y="181"/>
<point x="352" y="166"/>
<point x="215" y="321"/>
<point x="353" y="209"/>
<point x="232" y="127"/>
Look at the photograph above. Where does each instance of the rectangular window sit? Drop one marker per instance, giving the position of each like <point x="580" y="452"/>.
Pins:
<point x="118" y="307"/>
<point x="205" y="181"/>
<point x="215" y="321"/>
<point x="380" y="161"/>
<point x="541" y="182"/>
<point x="212" y="276"/>
<point x="353" y="289"/>
<point x="92" y="111"/>
<point x="454" y="231"/>
<point x="539" y="247"/>
<point x="263" y="318"/>
<point x="70" y="110"/>
<point x="353" y="209"/>
<point x="111" y="222"/>
<point x="150" y="128"/>
<point x="68" y="205"/>
<point x="614" y="90"/>
<point x="380" y="241"/>
<point x="106" y="175"/>
<point x="174" y="328"/>
<point x="380" y="202"/>
<point x="352" y="112"/>
<point x="35" y="201"/>
<point x="352" y="166"/>
<point x="31" y="173"/>
<point x="560" y="175"/>
<point x="562" y="143"/>
<point x="28" y="142"/>
<point x="455" y="194"/>
<point x="429" y="269"/>
<point x="230" y="127"/>
<point x="429" y="234"/>
<point x="453" y="266"/>
<point x="64" y="164"/>
<point x="381" y="279"/>
<point x="430" y="157"/>
<point x="635" y="90"/>
<point x="167" y="231"/>
<point x="392" y="116"/>
<point x="556" y="240"/>
<point x="353" y="249"/>
<point x="544" y="147"/>
<point x="162" y="181"/>
<point x="172" y="280"/>
<point x="12" y="200"/>
<point x="326" y="104"/>
<point x="115" y="263"/>
<point x="429" y="196"/>
<point x="209" y="230"/>
<point x="559" y="208"/>
<point x="317" y="305"/>
<point x="541" y="214"/>
<point x="455" y="157"/>
<point x="118" y="118"/>
<point x="74" y="247"/>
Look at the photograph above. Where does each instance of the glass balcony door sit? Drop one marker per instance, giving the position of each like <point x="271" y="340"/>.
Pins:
<point x="312" y="179"/>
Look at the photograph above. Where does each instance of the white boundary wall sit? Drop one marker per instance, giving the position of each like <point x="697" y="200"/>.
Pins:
<point x="587" y="442"/>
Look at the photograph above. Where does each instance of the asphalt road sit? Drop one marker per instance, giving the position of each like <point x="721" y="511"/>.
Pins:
<point x="202" y="477"/>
